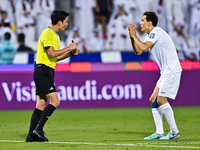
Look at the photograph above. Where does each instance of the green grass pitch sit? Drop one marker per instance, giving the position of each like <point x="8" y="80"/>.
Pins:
<point x="100" y="129"/>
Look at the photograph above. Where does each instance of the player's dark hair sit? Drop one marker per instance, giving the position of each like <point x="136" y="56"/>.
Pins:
<point x="7" y="36"/>
<point x="58" y="15"/>
<point x="151" y="16"/>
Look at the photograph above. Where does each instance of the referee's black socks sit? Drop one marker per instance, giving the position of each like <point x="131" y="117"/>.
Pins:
<point x="45" y="116"/>
<point x="35" y="120"/>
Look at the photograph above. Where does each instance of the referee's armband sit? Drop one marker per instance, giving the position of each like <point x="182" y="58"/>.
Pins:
<point x="47" y="47"/>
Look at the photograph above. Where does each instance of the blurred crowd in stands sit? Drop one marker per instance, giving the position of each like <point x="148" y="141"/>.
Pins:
<point x="99" y="25"/>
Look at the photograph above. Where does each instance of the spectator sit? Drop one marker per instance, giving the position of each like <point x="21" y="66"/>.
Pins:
<point x="175" y="15"/>
<point x="9" y="7"/>
<point x="2" y="17"/>
<point x="160" y="9"/>
<point x="7" y="50"/>
<point x="141" y="7"/>
<point x="118" y="36"/>
<point x="6" y="28"/>
<point x="74" y="35"/>
<point x="129" y="7"/>
<point x="84" y="17"/>
<point x="24" y="21"/>
<point x="96" y="43"/>
<point x="43" y="10"/>
<point x="180" y="42"/>
<point x="186" y="11"/>
<point x="22" y="47"/>
<point x="195" y="22"/>
<point x="102" y="10"/>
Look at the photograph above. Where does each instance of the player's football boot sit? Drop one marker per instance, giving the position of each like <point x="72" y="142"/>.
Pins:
<point x="40" y="135"/>
<point x="171" y="136"/>
<point x="31" y="138"/>
<point x="154" y="136"/>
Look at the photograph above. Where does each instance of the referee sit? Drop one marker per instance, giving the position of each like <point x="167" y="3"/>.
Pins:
<point x="48" y="53"/>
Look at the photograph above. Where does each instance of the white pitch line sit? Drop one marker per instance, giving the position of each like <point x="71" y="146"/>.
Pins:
<point x="136" y="144"/>
<point x="12" y="141"/>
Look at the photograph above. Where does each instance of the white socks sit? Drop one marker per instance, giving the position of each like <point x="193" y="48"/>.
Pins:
<point x="157" y="115"/>
<point x="169" y="115"/>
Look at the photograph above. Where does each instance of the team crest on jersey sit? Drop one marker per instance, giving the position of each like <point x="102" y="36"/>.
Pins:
<point x="152" y="35"/>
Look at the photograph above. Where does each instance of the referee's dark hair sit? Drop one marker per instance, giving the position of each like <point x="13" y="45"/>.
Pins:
<point x="151" y="16"/>
<point x="58" y="15"/>
<point x="7" y="36"/>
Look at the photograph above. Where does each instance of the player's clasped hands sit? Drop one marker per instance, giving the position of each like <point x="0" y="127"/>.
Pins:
<point x="132" y="30"/>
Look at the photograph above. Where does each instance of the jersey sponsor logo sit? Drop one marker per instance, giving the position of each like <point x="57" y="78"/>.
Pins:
<point x="152" y="35"/>
<point x="163" y="92"/>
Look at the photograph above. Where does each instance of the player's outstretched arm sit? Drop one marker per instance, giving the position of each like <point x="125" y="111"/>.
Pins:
<point x="138" y="46"/>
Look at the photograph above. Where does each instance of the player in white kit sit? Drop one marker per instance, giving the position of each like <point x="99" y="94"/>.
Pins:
<point x="162" y="48"/>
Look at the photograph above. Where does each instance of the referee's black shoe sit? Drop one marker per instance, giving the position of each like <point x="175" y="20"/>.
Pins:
<point x="31" y="138"/>
<point x="40" y="135"/>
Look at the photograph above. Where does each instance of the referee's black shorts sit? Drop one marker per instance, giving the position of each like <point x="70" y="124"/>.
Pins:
<point x="44" y="80"/>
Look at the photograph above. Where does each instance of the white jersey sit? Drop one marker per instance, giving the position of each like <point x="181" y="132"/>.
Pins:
<point x="164" y="51"/>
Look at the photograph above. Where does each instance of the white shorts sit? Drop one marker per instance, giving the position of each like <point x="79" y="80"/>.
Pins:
<point x="169" y="84"/>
